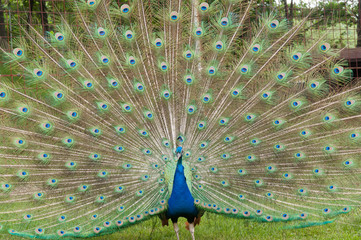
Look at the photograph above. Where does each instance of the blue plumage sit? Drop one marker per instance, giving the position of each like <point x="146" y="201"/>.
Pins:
<point x="181" y="201"/>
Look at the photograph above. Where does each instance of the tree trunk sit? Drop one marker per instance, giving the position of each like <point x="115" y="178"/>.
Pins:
<point x="286" y="8"/>
<point x="291" y="14"/>
<point x="3" y="33"/>
<point x="44" y="16"/>
<point x="359" y="25"/>
<point x="31" y="5"/>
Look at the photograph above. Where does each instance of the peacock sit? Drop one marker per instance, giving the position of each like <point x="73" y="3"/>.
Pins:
<point x="124" y="111"/>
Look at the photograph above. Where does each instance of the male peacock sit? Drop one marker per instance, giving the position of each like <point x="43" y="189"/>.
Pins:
<point x="127" y="111"/>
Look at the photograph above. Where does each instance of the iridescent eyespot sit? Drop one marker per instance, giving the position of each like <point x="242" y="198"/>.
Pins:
<point x="224" y="22"/>
<point x="324" y="47"/>
<point x="244" y="69"/>
<point x="191" y="109"/>
<point x="94" y="156"/>
<point x="158" y="42"/>
<point x="143" y="133"/>
<point x="296" y="57"/>
<point x="206" y="98"/>
<point x="101" y="32"/>
<point x="5" y="187"/>
<point x="188" y="79"/>
<point x="251" y="158"/>
<point x="281" y="76"/>
<point x="18" y="52"/>
<point x="131" y="60"/>
<point x="125" y="8"/>
<point x="126" y="107"/>
<point x="259" y="212"/>
<point x="199" y="32"/>
<point x="139" y="87"/>
<point x="38" y="72"/>
<point x="235" y="92"/>
<point x="163" y="66"/>
<point x="59" y="95"/>
<point x="201" y="159"/>
<point x="95" y="131"/>
<point x="24" y="109"/>
<point x="70" y="199"/>
<point x="326" y="210"/>
<point x="269" y="195"/>
<point x="256" y="48"/>
<point x="337" y="70"/>
<point x="165" y="142"/>
<point x="278" y="147"/>
<point x="103" y="174"/>
<point x="287" y="176"/>
<point x="129" y="35"/>
<point x="201" y="125"/>
<point x="211" y="70"/>
<point x="204" y="6"/>
<point x="265" y="95"/>
<point x="349" y="103"/>
<point x="77" y="229"/>
<point x="224" y="183"/>
<point x="346" y="209"/>
<point x="285" y="216"/>
<point x="71" y="63"/>
<point x="223" y="121"/>
<point x="258" y="182"/>
<point x="188" y="54"/>
<point x="314" y="85"/>
<point x="328" y="118"/>
<point x="228" y="139"/>
<point x="91" y="3"/>
<point x="120" y="129"/>
<point x="219" y="45"/>
<point x="271" y="168"/>
<point x="104" y="106"/>
<point x="274" y="24"/>
<point x="166" y="94"/>
<point x="39" y="230"/>
<point x="174" y="16"/>
<point x="354" y="135"/>
<point x="105" y="59"/>
<point x="114" y="83"/>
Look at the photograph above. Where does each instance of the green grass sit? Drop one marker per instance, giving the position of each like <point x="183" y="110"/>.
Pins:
<point x="214" y="227"/>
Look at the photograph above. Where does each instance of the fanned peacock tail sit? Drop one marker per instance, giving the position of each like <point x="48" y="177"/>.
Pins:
<point x="269" y="126"/>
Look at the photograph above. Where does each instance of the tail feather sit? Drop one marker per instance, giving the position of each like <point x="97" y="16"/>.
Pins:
<point x="268" y="124"/>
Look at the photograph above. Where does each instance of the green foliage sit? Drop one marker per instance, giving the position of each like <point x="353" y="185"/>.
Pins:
<point x="215" y="227"/>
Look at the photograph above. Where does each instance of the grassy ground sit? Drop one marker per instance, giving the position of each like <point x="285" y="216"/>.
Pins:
<point x="214" y="227"/>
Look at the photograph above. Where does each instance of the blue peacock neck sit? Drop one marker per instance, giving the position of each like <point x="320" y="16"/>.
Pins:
<point x="181" y="201"/>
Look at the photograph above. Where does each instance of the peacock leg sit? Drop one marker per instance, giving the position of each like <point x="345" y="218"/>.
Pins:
<point x="176" y="229"/>
<point x="191" y="229"/>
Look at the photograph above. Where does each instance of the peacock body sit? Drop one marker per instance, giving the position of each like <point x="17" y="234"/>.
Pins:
<point x="127" y="111"/>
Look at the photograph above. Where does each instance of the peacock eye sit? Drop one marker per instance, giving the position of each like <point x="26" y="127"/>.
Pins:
<point x="174" y="16"/>
<point x="204" y="6"/>
<point x="224" y="22"/>
<point x="125" y="8"/>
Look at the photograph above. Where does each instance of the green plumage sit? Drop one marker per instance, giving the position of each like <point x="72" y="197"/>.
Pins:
<point x="269" y="126"/>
